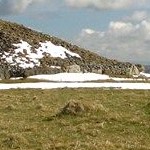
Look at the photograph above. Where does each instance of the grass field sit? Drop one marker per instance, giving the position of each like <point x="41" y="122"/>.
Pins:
<point x="111" y="120"/>
<point x="21" y="80"/>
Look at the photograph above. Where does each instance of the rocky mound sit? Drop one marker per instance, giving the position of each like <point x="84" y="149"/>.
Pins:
<point x="73" y="108"/>
<point x="25" y="52"/>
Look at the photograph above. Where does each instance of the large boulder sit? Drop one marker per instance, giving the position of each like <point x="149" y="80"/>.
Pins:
<point x="97" y="69"/>
<point x="133" y="70"/>
<point x="73" y="69"/>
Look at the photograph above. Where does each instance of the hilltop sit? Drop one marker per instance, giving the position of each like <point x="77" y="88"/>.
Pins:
<point x="25" y="52"/>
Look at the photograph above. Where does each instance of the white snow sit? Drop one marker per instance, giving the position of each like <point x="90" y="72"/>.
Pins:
<point x="72" y="77"/>
<point x="21" y="46"/>
<point x="49" y="85"/>
<point x="80" y="77"/>
<point x="9" y="59"/>
<point x="25" y="57"/>
<point x="128" y="79"/>
<point x="17" y="78"/>
<point x="55" y="51"/>
<point x="145" y="74"/>
<point x="58" y="67"/>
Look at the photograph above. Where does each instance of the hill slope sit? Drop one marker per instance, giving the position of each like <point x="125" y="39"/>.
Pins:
<point x="25" y="52"/>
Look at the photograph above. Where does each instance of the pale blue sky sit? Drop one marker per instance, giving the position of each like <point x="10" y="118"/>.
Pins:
<point x="65" y="22"/>
<point x="119" y="29"/>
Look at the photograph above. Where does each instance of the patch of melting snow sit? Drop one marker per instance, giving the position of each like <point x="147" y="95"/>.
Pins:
<point x="80" y="77"/>
<point x="61" y="78"/>
<point x="51" y="85"/>
<point x="128" y="79"/>
<point x="25" y="57"/>
<point x="55" y="51"/>
<point x="58" y="67"/>
<point x="145" y="74"/>
<point x="72" y="77"/>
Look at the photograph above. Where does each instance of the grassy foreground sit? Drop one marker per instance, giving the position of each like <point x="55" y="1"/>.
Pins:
<point x="114" y="120"/>
<point x="22" y="80"/>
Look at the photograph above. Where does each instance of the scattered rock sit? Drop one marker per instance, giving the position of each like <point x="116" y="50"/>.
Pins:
<point x="4" y="72"/>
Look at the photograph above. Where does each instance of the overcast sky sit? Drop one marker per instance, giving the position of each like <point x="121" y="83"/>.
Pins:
<point x="118" y="29"/>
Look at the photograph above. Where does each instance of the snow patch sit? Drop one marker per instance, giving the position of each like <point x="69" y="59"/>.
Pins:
<point x="25" y="57"/>
<point x="55" y="51"/>
<point x="72" y="77"/>
<point x="62" y="79"/>
<point x="57" y="67"/>
<point x="80" y="77"/>
<point x="51" y="85"/>
<point x="145" y="74"/>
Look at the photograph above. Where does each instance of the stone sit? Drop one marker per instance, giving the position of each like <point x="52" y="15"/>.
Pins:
<point x="97" y="69"/>
<point x="133" y="70"/>
<point x="73" y="108"/>
<point x="73" y="69"/>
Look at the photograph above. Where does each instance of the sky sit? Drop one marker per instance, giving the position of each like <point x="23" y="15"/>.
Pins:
<point x="116" y="29"/>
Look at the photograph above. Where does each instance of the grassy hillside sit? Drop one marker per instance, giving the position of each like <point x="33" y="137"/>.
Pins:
<point x="109" y="120"/>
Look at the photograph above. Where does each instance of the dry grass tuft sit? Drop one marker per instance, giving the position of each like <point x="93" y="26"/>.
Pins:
<point x="147" y="108"/>
<point x="10" y="107"/>
<point x="15" y="141"/>
<point x="40" y="107"/>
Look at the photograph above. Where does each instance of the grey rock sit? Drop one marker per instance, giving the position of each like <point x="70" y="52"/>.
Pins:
<point x="73" y="69"/>
<point x="133" y="70"/>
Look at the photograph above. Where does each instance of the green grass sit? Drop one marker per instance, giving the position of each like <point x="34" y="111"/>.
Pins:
<point x="116" y="120"/>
